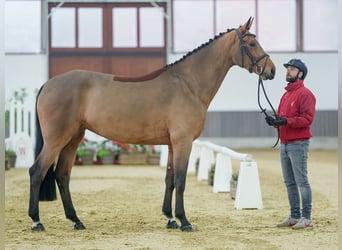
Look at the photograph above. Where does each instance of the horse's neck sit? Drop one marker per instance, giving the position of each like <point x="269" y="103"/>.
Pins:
<point x="205" y="70"/>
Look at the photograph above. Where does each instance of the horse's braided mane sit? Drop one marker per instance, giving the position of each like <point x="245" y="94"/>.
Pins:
<point x="157" y="72"/>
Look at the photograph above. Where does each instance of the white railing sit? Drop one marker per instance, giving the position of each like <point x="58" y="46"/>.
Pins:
<point x="22" y="132"/>
<point x="206" y="154"/>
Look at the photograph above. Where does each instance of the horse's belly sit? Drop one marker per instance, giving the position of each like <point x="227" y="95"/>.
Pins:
<point x="129" y="129"/>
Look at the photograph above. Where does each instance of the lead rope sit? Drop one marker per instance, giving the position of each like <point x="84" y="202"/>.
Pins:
<point x="263" y="110"/>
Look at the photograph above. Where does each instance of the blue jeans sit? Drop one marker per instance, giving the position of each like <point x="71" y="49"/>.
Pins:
<point x="293" y="158"/>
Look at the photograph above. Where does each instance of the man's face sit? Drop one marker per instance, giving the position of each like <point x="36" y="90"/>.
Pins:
<point x="292" y="74"/>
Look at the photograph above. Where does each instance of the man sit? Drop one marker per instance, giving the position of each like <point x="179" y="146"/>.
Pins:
<point x="295" y="116"/>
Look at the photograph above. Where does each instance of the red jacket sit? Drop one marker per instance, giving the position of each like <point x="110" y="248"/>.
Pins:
<point x="297" y="105"/>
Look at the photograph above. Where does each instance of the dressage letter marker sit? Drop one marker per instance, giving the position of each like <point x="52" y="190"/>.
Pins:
<point x="248" y="193"/>
<point x="223" y="173"/>
<point x="207" y="158"/>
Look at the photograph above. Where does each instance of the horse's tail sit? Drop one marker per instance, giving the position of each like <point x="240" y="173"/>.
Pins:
<point x="48" y="187"/>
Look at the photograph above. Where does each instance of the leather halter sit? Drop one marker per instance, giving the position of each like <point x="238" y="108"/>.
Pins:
<point x="254" y="61"/>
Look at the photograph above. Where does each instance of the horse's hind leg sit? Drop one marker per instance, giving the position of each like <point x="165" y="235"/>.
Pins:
<point x="169" y="187"/>
<point x="62" y="173"/>
<point x="37" y="173"/>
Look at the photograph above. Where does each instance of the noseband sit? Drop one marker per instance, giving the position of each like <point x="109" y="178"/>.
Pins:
<point x="244" y="50"/>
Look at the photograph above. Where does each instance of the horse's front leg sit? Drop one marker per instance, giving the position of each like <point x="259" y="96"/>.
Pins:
<point x="181" y="157"/>
<point x="169" y="187"/>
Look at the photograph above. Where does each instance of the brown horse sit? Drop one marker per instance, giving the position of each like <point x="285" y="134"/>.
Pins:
<point x="166" y="107"/>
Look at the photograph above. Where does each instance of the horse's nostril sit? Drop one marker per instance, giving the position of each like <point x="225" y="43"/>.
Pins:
<point x="271" y="75"/>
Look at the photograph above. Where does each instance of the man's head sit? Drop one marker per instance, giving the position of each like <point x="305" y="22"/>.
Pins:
<point x="296" y="69"/>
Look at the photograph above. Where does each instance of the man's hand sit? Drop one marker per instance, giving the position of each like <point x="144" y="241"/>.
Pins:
<point x="270" y="120"/>
<point x="280" y="121"/>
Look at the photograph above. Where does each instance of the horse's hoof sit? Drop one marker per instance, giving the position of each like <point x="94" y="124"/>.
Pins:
<point x="172" y="224"/>
<point x="187" y="228"/>
<point x="37" y="227"/>
<point x="78" y="226"/>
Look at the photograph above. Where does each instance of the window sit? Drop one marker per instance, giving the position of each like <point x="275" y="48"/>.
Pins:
<point x="192" y="23"/>
<point x="320" y="25"/>
<point x="231" y="14"/>
<point x="90" y="28"/>
<point x="124" y="27"/>
<point x="276" y="21"/>
<point x="151" y="27"/>
<point x="23" y="27"/>
<point x="63" y="28"/>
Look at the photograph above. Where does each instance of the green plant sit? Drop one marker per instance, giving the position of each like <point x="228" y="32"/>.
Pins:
<point x="82" y="152"/>
<point x="10" y="153"/>
<point x="105" y="148"/>
<point x="235" y="176"/>
<point x="86" y="147"/>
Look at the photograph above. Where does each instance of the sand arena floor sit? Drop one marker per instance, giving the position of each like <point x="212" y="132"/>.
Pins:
<point x="121" y="208"/>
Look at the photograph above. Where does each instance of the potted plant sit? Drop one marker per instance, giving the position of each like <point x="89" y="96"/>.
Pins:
<point x="11" y="157"/>
<point x="153" y="156"/>
<point x="233" y="184"/>
<point x="85" y="153"/>
<point x="211" y="173"/>
<point x="132" y="154"/>
<point x="105" y="152"/>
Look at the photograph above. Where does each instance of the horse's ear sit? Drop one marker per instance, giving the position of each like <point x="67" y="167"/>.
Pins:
<point x="244" y="28"/>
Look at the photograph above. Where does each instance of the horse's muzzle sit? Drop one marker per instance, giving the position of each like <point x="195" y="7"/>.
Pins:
<point x="269" y="75"/>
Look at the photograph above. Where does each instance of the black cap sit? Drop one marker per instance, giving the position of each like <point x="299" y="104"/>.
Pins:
<point x="299" y="65"/>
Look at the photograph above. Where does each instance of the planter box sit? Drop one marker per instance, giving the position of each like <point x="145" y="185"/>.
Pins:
<point x="233" y="186"/>
<point x="7" y="166"/>
<point x="87" y="159"/>
<point x="153" y="160"/>
<point x="211" y="173"/>
<point x="11" y="161"/>
<point x="133" y="158"/>
<point x="107" y="160"/>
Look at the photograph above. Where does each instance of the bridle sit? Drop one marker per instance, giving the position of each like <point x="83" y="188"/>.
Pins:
<point x="260" y="71"/>
<point x="244" y="50"/>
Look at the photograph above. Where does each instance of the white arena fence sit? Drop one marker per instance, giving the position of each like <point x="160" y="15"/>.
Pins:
<point x="22" y="132"/>
<point x="207" y="154"/>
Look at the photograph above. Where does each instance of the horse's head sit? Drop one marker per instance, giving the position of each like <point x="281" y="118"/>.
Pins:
<point x="250" y="55"/>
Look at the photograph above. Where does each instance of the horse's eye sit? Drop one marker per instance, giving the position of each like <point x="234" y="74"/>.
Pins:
<point x="252" y="44"/>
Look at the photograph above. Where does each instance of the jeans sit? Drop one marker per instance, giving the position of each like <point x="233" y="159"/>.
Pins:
<point x="294" y="157"/>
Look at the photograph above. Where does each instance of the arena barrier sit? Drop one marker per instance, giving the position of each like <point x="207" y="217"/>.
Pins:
<point x="207" y="154"/>
<point x="22" y="131"/>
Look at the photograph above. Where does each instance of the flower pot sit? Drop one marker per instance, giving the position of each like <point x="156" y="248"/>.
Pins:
<point x="211" y="173"/>
<point x="107" y="159"/>
<point x="153" y="160"/>
<point x="87" y="159"/>
<point x="7" y="165"/>
<point x="11" y="160"/>
<point x="133" y="158"/>
<point x="233" y="186"/>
